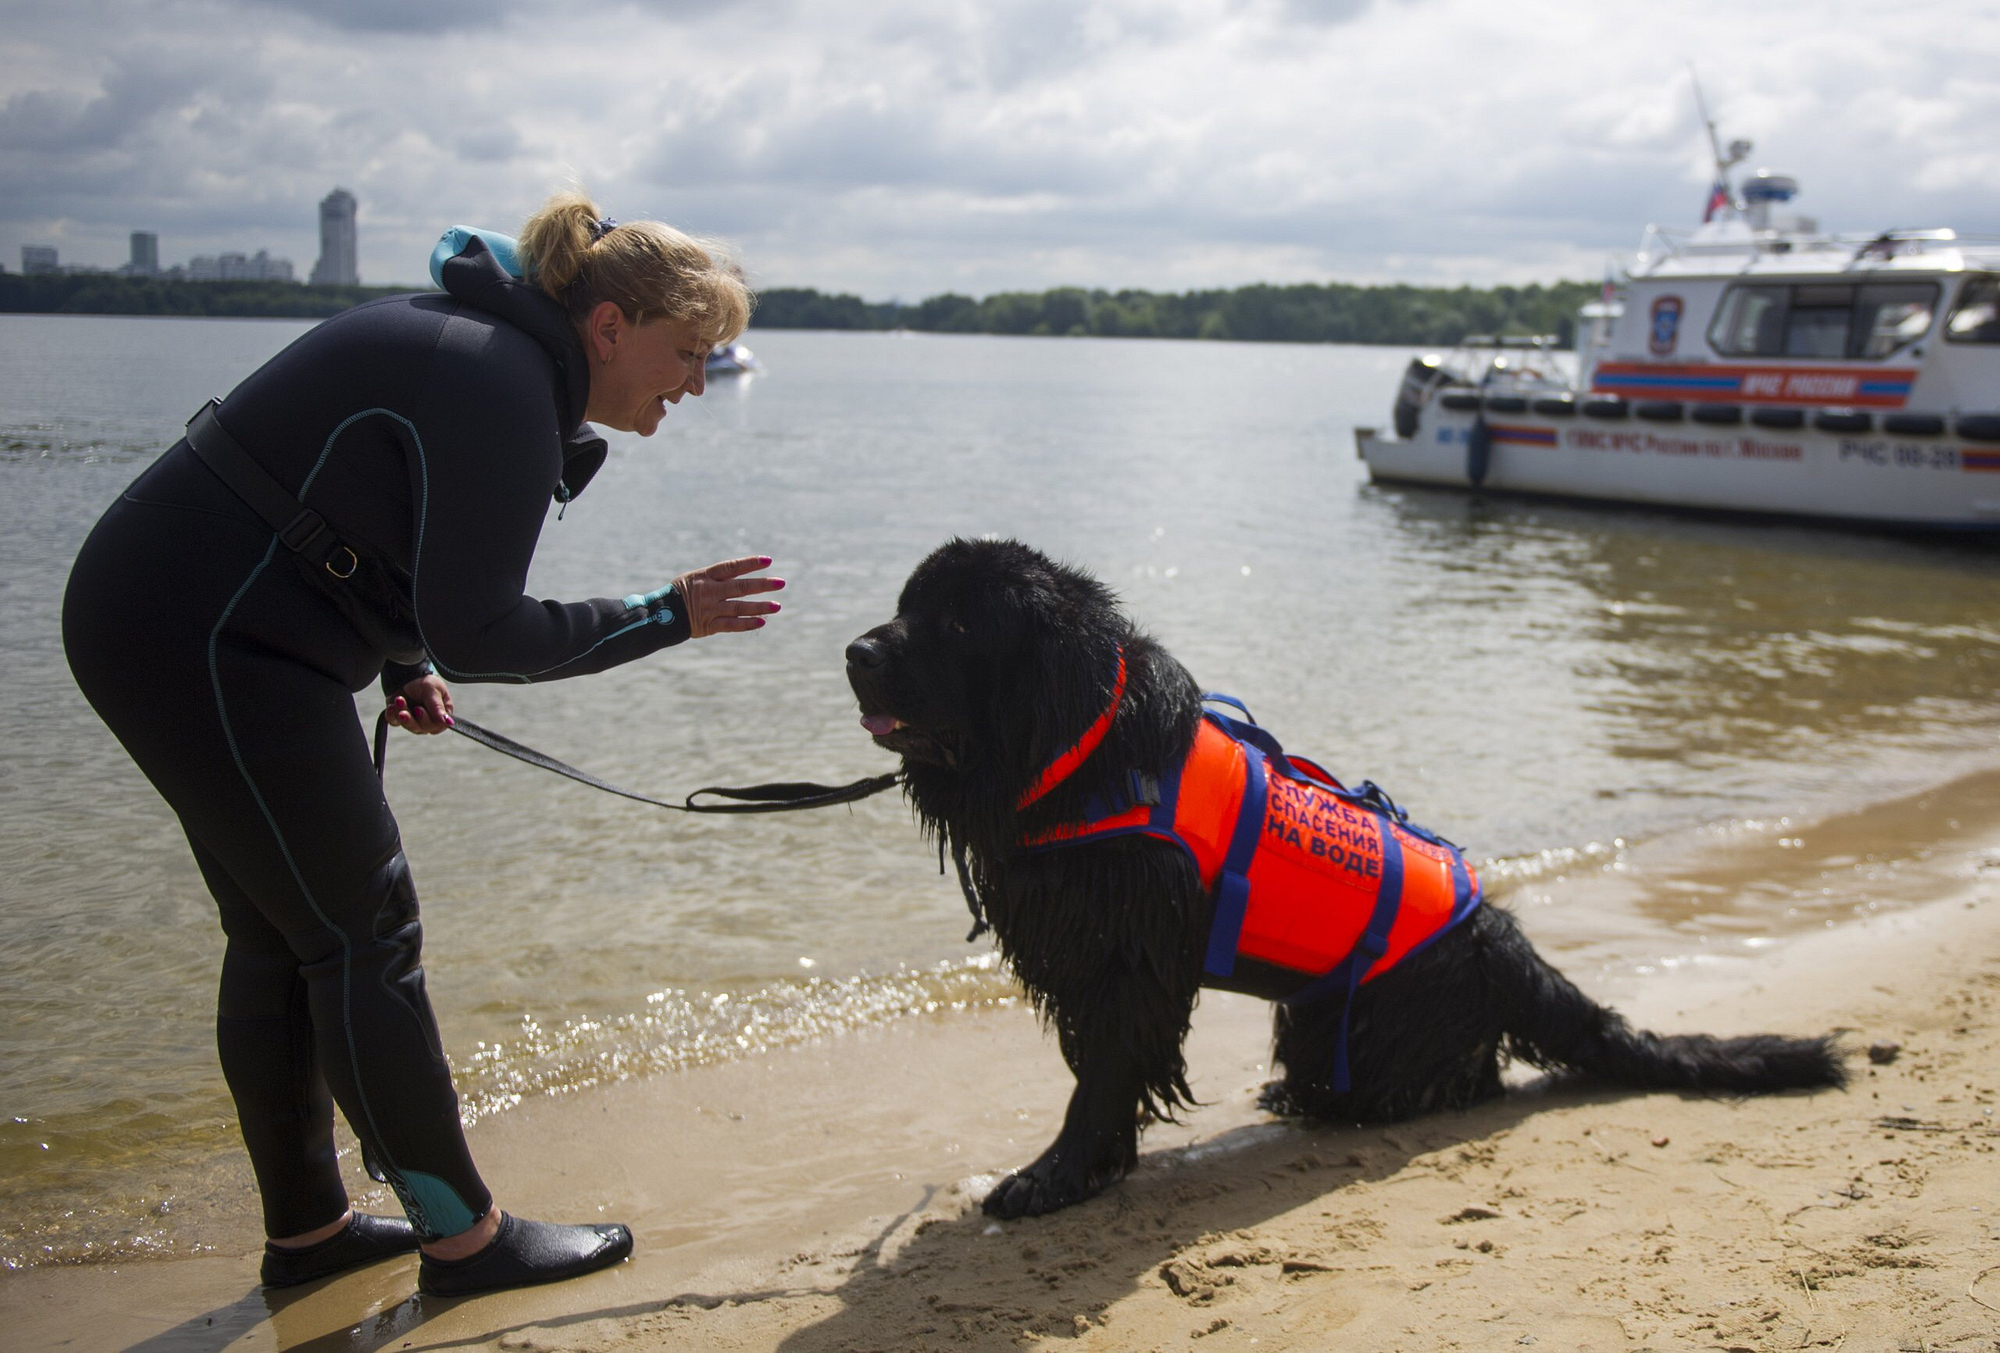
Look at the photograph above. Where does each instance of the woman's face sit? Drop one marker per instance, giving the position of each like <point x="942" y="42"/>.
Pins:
<point x="638" y="369"/>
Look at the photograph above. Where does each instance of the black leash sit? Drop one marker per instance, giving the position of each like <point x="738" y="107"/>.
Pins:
<point x="779" y="797"/>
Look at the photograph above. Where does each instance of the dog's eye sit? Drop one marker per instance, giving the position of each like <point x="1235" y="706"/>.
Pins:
<point x="957" y="627"/>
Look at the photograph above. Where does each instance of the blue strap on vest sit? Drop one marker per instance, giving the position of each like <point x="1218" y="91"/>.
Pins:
<point x="1232" y="889"/>
<point x="1232" y="900"/>
<point x="1135" y="789"/>
<point x="1461" y="889"/>
<point x="1229" y="700"/>
<point x="1368" y="950"/>
<point x="1245" y="730"/>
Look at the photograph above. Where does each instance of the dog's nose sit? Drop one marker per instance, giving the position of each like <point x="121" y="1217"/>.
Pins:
<point x="864" y="652"/>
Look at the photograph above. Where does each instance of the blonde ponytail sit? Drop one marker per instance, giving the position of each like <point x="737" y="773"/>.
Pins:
<point x="649" y="270"/>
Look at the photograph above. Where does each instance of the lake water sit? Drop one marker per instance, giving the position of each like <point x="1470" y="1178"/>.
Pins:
<point x="1544" y="684"/>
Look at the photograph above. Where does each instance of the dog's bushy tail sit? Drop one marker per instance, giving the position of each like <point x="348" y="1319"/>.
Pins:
<point x="1551" y="1025"/>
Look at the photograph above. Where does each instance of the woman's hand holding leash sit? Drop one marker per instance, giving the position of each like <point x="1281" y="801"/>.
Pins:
<point x="422" y="706"/>
<point x="715" y="597"/>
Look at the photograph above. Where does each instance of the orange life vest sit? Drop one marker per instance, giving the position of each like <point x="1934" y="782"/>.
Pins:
<point x="1333" y="884"/>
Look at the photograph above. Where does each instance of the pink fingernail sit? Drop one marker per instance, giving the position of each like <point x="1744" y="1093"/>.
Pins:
<point x="450" y="722"/>
<point x="763" y="561"/>
<point x="777" y="583"/>
<point x="777" y="606"/>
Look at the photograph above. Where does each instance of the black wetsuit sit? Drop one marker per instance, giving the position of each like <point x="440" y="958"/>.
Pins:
<point x="433" y="428"/>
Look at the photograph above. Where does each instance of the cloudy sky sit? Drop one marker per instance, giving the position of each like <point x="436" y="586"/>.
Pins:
<point x="900" y="148"/>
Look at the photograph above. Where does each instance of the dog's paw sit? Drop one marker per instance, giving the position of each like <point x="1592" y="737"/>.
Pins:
<point x="1028" y="1193"/>
<point x="1054" y="1181"/>
<point x="1277" y="1098"/>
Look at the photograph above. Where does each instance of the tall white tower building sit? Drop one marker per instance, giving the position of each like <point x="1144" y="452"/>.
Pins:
<point x="336" y="241"/>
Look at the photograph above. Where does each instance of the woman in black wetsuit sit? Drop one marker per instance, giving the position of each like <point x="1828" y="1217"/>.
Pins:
<point x="430" y="433"/>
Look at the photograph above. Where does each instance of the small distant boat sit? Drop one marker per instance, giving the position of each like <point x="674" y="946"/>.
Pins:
<point x="1752" y="364"/>
<point x="732" y="359"/>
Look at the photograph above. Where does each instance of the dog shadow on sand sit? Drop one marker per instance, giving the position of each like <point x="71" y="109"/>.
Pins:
<point x="965" y="1282"/>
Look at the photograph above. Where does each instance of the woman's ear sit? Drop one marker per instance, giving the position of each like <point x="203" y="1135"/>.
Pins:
<point x="603" y="330"/>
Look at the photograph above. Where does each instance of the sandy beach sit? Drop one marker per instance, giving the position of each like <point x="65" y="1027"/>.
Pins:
<point x="825" y="1198"/>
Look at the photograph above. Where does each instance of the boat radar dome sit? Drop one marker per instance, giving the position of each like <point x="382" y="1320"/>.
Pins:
<point x="1763" y="190"/>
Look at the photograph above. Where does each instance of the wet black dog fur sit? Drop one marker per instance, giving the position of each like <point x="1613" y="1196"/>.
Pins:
<point x="997" y="661"/>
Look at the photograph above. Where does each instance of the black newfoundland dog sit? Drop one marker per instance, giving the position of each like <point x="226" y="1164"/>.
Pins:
<point x="1003" y="670"/>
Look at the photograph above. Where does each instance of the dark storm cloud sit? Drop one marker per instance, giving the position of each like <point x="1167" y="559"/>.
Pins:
<point x="391" y="16"/>
<point x="135" y="92"/>
<point x="1325" y="12"/>
<point x="427" y="16"/>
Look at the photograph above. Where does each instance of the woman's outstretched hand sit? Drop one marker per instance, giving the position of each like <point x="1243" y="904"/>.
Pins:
<point x="716" y="597"/>
<point x="422" y="706"/>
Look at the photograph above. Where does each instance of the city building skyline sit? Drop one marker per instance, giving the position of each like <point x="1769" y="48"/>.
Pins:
<point x="239" y="267"/>
<point x="336" y="266"/>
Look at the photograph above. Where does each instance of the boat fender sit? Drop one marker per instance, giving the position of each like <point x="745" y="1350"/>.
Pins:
<point x="1913" y="424"/>
<point x="1716" y="415"/>
<point x="1478" y="452"/>
<point x="1980" y="427"/>
<point x="505" y="250"/>
<point x="1778" y="418"/>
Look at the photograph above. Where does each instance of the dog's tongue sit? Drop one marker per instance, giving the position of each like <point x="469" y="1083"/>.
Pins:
<point x="880" y="725"/>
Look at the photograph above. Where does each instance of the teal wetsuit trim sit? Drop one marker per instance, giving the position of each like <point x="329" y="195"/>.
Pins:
<point x="331" y="438"/>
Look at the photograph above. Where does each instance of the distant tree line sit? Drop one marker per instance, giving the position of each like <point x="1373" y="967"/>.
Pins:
<point x="109" y="294"/>
<point x="1306" y="312"/>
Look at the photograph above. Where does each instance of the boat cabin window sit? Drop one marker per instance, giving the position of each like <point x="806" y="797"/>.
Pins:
<point x="1749" y="322"/>
<point x="1817" y="322"/>
<point x="1823" y="320"/>
<point x="1889" y="315"/>
<point x="1976" y="317"/>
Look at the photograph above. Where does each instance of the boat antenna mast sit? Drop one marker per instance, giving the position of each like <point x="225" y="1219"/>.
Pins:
<point x="1722" y="196"/>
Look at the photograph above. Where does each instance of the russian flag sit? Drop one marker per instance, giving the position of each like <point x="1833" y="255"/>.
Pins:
<point x="1718" y="198"/>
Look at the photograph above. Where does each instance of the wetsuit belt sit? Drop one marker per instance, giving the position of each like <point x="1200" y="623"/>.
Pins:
<point x="302" y="530"/>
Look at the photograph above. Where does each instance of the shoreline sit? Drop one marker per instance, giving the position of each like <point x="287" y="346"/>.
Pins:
<point x="1647" y="912"/>
<point x="825" y="1196"/>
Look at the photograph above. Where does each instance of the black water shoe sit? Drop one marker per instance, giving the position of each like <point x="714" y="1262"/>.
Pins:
<point x="525" y="1253"/>
<point x="364" y="1240"/>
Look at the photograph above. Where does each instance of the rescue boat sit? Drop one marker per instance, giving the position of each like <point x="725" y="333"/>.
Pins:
<point x="1752" y="364"/>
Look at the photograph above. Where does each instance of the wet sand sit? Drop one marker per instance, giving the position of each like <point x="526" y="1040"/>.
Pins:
<point x="825" y="1198"/>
